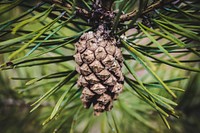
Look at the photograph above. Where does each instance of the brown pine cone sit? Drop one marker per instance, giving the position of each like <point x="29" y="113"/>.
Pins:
<point x="99" y="62"/>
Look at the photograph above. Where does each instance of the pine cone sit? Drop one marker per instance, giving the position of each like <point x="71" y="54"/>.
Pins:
<point x="99" y="62"/>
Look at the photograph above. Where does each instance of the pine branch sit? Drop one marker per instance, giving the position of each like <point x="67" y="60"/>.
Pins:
<point x="159" y="4"/>
<point x="167" y="44"/>
<point x="80" y="11"/>
<point x="107" y="4"/>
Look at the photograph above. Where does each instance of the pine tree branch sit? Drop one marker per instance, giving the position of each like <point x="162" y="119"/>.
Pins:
<point x="107" y="4"/>
<point x="159" y="4"/>
<point x="80" y="11"/>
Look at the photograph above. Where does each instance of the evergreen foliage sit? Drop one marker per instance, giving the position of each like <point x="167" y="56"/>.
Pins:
<point x="160" y="45"/>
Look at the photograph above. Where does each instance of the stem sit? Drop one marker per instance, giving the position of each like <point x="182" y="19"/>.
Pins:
<point x="159" y="4"/>
<point x="80" y="11"/>
<point x="107" y="4"/>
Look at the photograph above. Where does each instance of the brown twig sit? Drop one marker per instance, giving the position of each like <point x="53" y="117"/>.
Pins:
<point x="126" y="17"/>
<point x="80" y="11"/>
<point x="156" y="5"/>
<point x="107" y="4"/>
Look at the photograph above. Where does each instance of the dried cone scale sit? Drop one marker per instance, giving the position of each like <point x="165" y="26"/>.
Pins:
<point x="99" y="63"/>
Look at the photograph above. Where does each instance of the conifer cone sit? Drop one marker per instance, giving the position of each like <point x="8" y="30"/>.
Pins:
<point x="99" y="62"/>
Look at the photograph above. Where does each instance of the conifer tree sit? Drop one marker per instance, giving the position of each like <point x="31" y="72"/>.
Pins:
<point x="122" y="60"/>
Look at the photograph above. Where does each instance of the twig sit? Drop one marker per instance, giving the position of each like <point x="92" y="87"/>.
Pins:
<point x="126" y="17"/>
<point x="107" y="4"/>
<point x="156" y="5"/>
<point x="80" y="11"/>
